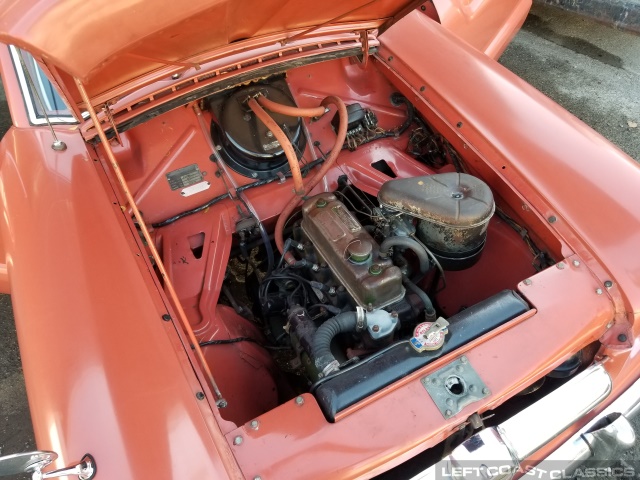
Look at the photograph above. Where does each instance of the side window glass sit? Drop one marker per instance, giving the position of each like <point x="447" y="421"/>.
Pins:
<point x="54" y="105"/>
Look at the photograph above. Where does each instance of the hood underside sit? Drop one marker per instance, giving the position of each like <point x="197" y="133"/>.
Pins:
<point x="111" y="45"/>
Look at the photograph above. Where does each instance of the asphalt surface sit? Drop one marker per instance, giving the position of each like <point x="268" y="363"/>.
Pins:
<point x="590" y="69"/>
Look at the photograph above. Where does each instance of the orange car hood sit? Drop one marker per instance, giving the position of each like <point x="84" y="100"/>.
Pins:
<point x="111" y="46"/>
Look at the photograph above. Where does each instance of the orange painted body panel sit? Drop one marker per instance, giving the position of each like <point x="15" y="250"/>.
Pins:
<point x="487" y="25"/>
<point x="106" y="374"/>
<point x="164" y="32"/>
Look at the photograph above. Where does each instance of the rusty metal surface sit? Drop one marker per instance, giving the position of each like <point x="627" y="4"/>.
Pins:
<point x="373" y="282"/>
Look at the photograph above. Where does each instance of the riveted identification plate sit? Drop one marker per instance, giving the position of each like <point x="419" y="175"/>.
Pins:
<point x="455" y="386"/>
<point x="184" y="177"/>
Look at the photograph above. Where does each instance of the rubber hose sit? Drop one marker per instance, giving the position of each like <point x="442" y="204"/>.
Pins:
<point x="292" y="158"/>
<point x="345" y="322"/>
<point x="329" y="162"/>
<point x="429" y="310"/>
<point x="290" y="111"/>
<point x="411" y="244"/>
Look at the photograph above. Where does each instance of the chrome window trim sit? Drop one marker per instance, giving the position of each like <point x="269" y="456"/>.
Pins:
<point x="29" y="102"/>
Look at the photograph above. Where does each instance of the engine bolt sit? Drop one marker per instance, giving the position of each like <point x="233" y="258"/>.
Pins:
<point x="486" y="391"/>
<point x="254" y="424"/>
<point x="463" y="359"/>
<point x="527" y="281"/>
<point x="200" y="396"/>
<point x="622" y="337"/>
<point x="321" y="203"/>
<point x="269" y="134"/>
<point x="394" y="314"/>
<point x="299" y="400"/>
<point x="218" y="147"/>
<point x="257" y="477"/>
<point x="599" y="291"/>
<point x="552" y="219"/>
<point x="246" y="117"/>
<point x="375" y="328"/>
<point x="608" y="283"/>
<point x="375" y="269"/>
<point x="315" y="267"/>
<point x="576" y="263"/>
<point x="448" y="413"/>
<point x="237" y="440"/>
<point x="560" y="265"/>
<point x="332" y="291"/>
<point x="254" y="175"/>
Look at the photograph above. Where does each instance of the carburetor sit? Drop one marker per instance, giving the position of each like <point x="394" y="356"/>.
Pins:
<point x="353" y="256"/>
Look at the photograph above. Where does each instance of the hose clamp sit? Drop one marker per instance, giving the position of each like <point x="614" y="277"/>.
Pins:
<point x="361" y="319"/>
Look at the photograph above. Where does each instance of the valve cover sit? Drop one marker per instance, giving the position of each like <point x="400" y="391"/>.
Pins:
<point x="350" y="252"/>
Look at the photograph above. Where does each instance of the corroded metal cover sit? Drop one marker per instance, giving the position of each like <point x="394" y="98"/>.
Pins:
<point x="350" y="252"/>
<point x="451" y="199"/>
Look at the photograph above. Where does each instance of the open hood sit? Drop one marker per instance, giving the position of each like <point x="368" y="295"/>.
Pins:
<point x="112" y="47"/>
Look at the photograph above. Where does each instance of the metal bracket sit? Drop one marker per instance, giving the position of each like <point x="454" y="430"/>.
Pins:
<point x="455" y="386"/>
<point x="364" y="41"/>
<point x="361" y="319"/>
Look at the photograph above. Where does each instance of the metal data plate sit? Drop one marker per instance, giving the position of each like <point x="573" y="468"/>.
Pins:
<point x="455" y="386"/>
<point x="184" y="177"/>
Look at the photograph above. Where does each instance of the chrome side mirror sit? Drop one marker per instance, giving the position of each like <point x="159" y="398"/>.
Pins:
<point x="34" y="462"/>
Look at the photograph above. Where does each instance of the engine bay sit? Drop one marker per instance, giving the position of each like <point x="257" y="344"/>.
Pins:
<point x="401" y="252"/>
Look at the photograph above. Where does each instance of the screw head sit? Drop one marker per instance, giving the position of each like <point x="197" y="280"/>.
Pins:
<point x="200" y="396"/>
<point x="622" y="337"/>
<point x="321" y="203"/>
<point x="299" y="400"/>
<point x="460" y="368"/>
<point x="237" y="440"/>
<point x="560" y="265"/>
<point x="254" y="424"/>
<point x="218" y="147"/>
<point x="609" y="325"/>
<point x="472" y="388"/>
<point x="375" y="328"/>
<point x="459" y="124"/>
<point x="448" y="413"/>
<point x="608" y="283"/>
<point x="166" y="317"/>
<point x="390" y="58"/>
<point x="599" y="291"/>
<point x="269" y="134"/>
<point x="257" y="477"/>
<point x="423" y="88"/>
<point x="463" y="359"/>
<point x="486" y="391"/>
<point x="552" y="219"/>
<point x="576" y="263"/>
<point x="254" y="175"/>
<point x="527" y="281"/>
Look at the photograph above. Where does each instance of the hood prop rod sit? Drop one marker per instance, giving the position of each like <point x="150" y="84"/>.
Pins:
<point x="173" y="296"/>
<point x="57" y="145"/>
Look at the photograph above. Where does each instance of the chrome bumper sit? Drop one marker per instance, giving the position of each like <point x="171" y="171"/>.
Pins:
<point x="498" y="452"/>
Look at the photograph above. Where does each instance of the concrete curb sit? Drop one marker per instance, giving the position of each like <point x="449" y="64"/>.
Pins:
<point x="622" y="14"/>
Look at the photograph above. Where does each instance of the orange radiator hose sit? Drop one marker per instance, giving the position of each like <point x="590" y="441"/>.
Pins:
<point x="290" y="111"/>
<point x="328" y="163"/>
<point x="282" y="138"/>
